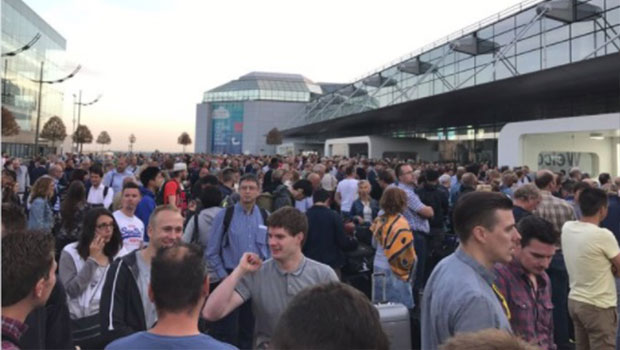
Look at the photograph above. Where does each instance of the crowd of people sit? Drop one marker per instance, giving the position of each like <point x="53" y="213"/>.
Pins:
<point x="208" y="251"/>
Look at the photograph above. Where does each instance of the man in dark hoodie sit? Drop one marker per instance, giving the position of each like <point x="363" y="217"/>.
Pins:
<point x="268" y="183"/>
<point x="151" y="179"/>
<point x="125" y="306"/>
<point x="281" y="195"/>
<point x="327" y="241"/>
<point x="430" y="194"/>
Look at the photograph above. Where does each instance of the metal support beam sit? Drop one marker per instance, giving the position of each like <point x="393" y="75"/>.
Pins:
<point x="504" y="49"/>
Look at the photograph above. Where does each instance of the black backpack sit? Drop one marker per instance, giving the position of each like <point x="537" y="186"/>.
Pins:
<point x="159" y="198"/>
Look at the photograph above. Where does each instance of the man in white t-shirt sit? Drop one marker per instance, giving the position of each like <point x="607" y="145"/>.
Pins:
<point x="346" y="192"/>
<point x="131" y="227"/>
<point x="592" y="258"/>
<point x="98" y="194"/>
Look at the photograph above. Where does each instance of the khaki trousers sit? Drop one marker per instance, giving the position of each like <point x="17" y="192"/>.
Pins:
<point x="595" y="328"/>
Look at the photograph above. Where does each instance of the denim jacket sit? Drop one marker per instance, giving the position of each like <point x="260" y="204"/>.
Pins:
<point x="357" y="209"/>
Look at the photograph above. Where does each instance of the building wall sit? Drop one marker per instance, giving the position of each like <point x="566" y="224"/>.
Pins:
<point x="378" y="146"/>
<point x="20" y="24"/>
<point x="201" y="137"/>
<point x="521" y="143"/>
<point x="262" y="116"/>
<point x="258" y="118"/>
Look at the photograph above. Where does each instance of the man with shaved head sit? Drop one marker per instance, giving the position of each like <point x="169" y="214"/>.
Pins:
<point x="114" y="178"/>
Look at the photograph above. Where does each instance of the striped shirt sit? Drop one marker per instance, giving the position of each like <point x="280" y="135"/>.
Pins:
<point x="414" y="204"/>
<point x="555" y="210"/>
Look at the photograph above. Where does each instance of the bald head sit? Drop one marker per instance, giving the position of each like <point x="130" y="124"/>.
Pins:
<point x="55" y="171"/>
<point x="545" y="180"/>
<point x="315" y="180"/>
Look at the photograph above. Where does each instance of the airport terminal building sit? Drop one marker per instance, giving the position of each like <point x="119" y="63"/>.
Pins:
<point x="28" y="42"/>
<point x="537" y="62"/>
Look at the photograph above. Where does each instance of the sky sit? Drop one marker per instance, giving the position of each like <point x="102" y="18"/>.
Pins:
<point x="152" y="60"/>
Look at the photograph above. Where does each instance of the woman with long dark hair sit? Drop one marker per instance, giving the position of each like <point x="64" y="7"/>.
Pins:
<point x="72" y="212"/>
<point x="83" y="268"/>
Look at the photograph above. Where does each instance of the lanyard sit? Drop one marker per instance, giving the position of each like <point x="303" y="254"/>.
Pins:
<point x="502" y="299"/>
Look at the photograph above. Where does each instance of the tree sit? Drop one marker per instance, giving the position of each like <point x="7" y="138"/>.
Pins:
<point x="103" y="139"/>
<point x="9" y="125"/>
<point x="82" y="135"/>
<point x="184" y="140"/>
<point x="132" y="140"/>
<point x="54" y="130"/>
<point x="274" y="137"/>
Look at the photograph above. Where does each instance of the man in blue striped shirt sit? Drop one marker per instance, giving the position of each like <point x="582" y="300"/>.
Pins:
<point x="246" y="232"/>
<point x="417" y="214"/>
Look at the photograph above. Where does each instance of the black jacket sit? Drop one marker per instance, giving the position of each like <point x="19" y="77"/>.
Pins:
<point x="432" y="196"/>
<point x="121" y="307"/>
<point x="49" y="326"/>
<point x="326" y="239"/>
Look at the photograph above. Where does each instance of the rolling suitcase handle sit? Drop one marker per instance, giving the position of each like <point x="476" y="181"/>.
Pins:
<point x="373" y="291"/>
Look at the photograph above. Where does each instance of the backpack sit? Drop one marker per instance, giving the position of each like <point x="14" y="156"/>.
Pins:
<point x="159" y="198"/>
<point x="105" y="194"/>
<point x="195" y="236"/>
<point x="228" y="218"/>
<point x="265" y="201"/>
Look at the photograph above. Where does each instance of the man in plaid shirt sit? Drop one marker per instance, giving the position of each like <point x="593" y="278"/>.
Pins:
<point x="525" y="283"/>
<point x="28" y="277"/>
<point x="557" y="211"/>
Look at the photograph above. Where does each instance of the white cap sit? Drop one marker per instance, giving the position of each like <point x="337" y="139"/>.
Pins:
<point x="179" y="167"/>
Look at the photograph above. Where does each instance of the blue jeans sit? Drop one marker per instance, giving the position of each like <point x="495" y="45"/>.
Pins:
<point x="396" y="290"/>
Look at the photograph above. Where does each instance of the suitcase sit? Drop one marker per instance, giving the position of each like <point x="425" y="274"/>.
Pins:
<point x="394" y="318"/>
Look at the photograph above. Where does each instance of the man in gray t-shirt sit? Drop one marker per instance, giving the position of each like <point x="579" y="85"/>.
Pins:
<point x="460" y="295"/>
<point x="271" y="285"/>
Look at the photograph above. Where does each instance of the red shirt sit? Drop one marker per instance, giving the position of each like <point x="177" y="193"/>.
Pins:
<point x="173" y="188"/>
<point x="532" y="310"/>
<point x="12" y="329"/>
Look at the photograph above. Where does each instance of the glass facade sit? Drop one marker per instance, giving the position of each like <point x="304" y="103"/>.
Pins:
<point x="542" y="43"/>
<point x="19" y="93"/>
<point x="265" y="86"/>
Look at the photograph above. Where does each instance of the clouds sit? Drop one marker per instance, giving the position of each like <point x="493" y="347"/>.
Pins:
<point x="153" y="60"/>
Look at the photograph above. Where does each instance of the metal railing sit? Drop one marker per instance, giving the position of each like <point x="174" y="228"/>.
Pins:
<point x="456" y="35"/>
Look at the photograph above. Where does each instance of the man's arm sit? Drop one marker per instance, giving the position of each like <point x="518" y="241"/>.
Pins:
<point x="473" y="315"/>
<point x="214" y="245"/>
<point x="615" y="261"/>
<point x="170" y="192"/>
<point x="338" y="195"/>
<point x="107" y="200"/>
<point x="224" y="298"/>
<point x="415" y="204"/>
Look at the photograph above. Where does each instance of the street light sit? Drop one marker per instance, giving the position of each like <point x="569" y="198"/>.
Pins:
<point x="15" y="53"/>
<point x="80" y="104"/>
<point x="23" y="48"/>
<point x="41" y="81"/>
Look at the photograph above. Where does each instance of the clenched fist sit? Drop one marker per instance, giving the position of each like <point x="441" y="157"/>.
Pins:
<point x="250" y="262"/>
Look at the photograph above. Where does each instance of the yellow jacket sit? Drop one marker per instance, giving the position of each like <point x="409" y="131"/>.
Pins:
<point x="396" y="239"/>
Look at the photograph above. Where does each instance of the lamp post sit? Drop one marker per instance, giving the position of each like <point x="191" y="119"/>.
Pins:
<point x="15" y="53"/>
<point x="80" y="104"/>
<point x="41" y="82"/>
